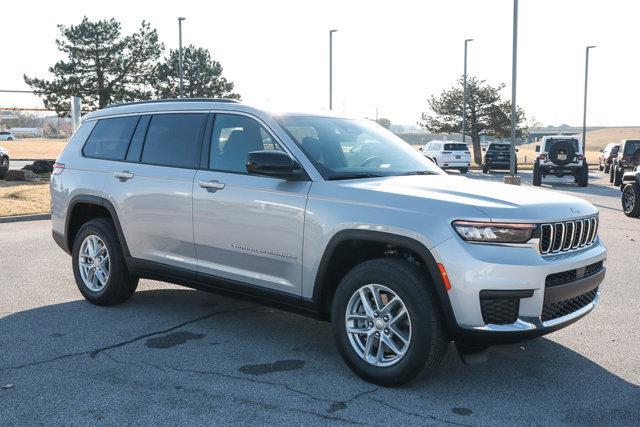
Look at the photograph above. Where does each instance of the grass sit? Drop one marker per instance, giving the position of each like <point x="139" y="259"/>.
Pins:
<point x="24" y="198"/>
<point x="34" y="149"/>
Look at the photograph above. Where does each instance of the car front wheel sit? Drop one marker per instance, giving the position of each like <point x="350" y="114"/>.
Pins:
<point x="387" y="323"/>
<point x="99" y="266"/>
<point x="631" y="200"/>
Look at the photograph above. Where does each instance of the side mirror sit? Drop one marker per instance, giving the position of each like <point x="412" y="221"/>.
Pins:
<point x="484" y="148"/>
<point x="273" y="163"/>
<point x="537" y="148"/>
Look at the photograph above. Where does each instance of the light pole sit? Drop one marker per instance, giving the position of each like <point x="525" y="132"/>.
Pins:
<point x="331" y="68"/>
<point x="514" y="110"/>
<point x="584" y="110"/>
<point x="180" y="71"/>
<point x="464" y="96"/>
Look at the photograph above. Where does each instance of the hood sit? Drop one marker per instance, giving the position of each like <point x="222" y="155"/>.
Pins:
<point x="500" y="202"/>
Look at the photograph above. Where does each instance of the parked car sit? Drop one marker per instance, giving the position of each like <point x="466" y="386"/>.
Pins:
<point x="4" y="162"/>
<point x="627" y="159"/>
<point x="631" y="193"/>
<point x="330" y="217"/>
<point x="606" y="157"/>
<point x="6" y="136"/>
<point x="448" y="155"/>
<point x="497" y="156"/>
<point x="560" y="155"/>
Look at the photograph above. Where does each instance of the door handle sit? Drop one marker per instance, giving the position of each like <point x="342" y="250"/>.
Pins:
<point x="211" y="185"/>
<point x="123" y="176"/>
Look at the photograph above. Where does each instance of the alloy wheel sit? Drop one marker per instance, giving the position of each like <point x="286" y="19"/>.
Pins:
<point x="628" y="199"/>
<point x="378" y="325"/>
<point x="94" y="263"/>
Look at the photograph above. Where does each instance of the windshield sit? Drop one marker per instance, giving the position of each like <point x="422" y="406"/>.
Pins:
<point x="630" y="147"/>
<point x="346" y="148"/>
<point x="498" y="147"/>
<point x="456" y="147"/>
<point x="551" y="141"/>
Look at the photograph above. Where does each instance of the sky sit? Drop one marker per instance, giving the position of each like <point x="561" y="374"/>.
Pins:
<point x="389" y="56"/>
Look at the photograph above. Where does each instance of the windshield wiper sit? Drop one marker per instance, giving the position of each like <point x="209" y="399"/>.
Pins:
<point x="417" y="173"/>
<point x="354" y="175"/>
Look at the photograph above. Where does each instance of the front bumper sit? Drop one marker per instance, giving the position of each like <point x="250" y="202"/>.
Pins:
<point x="519" y="274"/>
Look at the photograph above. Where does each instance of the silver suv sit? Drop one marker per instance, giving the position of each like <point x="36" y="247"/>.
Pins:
<point x="331" y="217"/>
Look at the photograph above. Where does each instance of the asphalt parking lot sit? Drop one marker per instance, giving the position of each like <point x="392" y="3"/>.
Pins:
<point x="177" y="356"/>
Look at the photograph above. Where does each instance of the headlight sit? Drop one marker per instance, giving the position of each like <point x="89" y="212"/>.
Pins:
<point x="493" y="232"/>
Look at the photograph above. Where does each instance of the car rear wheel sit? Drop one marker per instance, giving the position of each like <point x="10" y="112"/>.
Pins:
<point x="387" y="323"/>
<point x="607" y="167"/>
<point x="617" y="175"/>
<point x="99" y="266"/>
<point x="582" y="178"/>
<point x="485" y="168"/>
<point x="631" y="200"/>
<point x="537" y="175"/>
<point x="4" y="167"/>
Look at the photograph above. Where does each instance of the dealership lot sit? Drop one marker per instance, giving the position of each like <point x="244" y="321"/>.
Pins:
<point x="174" y="355"/>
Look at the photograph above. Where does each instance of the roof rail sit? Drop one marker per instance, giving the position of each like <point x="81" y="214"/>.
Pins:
<point x="160" y="101"/>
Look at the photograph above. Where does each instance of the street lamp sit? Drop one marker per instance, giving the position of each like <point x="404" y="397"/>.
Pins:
<point x="514" y="109"/>
<point x="331" y="68"/>
<point x="584" y="110"/>
<point x="180" y="71"/>
<point x="464" y="96"/>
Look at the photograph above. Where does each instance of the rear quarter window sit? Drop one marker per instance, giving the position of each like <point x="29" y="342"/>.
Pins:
<point x="110" y="138"/>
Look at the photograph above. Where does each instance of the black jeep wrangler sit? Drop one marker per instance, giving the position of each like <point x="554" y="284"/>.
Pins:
<point x="627" y="160"/>
<point x="631" y="193"/>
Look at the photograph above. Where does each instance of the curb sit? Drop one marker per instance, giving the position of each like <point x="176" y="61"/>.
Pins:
<point x="20" y="218"/>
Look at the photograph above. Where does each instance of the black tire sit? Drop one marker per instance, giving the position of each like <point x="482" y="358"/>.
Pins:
<point x="428" y="337"/>
<point x="582" y="177"/>
<point x="612" y="171"/>
<point x="607" y="167"/>
<point x="537" y="174"/>
<point x="485" y="168"/>
<point x="631" y="200"/>
<point x="120" y="284"/>
<point x="4" y="167"/>
<point x="464" y="170"/>
<point x="9" y="139"/>
<point x="600" y="167"/>
<point x="617" y="175"/>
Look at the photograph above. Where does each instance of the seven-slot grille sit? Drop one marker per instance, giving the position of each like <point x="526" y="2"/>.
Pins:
<point x="568" y="235"/>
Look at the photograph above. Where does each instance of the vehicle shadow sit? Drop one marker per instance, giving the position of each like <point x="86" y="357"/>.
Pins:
<point x="211" y="344"/>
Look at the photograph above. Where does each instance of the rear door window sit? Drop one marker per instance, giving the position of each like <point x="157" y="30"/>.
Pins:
<point x="174" y="140"/>
<point x="110" y="138"/>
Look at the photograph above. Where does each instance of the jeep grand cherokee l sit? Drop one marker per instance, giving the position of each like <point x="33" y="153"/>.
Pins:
<point x="332" y="217"/>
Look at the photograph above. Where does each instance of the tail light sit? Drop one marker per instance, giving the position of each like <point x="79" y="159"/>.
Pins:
<point x="543" y="156"/>
<point x="57" y="168"/>
<point x="580" y="157"/>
